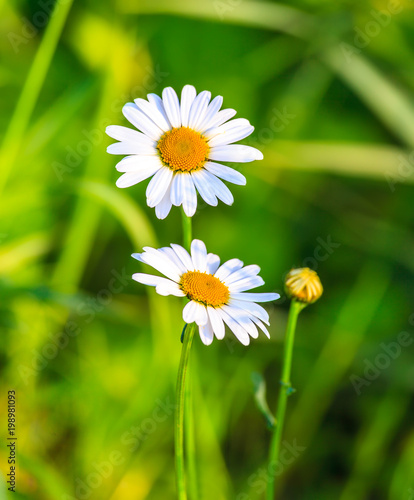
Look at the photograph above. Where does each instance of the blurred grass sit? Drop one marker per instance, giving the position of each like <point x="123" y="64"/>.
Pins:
<point x="338" y="167"/>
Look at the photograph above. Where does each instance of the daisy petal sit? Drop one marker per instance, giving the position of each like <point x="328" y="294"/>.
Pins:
<point x="235" y="153"/>
<point x="256" y="297"/>
<point x="199" y="255"/>
<point x="131" y="178"/>
<point x="139" y="163"/>
<point x="261" y="326"/>
<point x="201" y="183"/>
<point x="188" y="95"/>
<point x="155" y="113"/>
<point x="252" y="308"/>
<point x="243" y="320"/>
<point x="245" y="272"/>
<point x="220" y="117"/>
<point x="237" y="329"/>
<point x="226" y="173"/>
<point x="227" y="268"/>
<point x="156" y="101"/>
<point x="213" y="262"/>
<point x="246" y="284"/>
<point x="162" y="209"/>
<point x="216" y="322"/>
<point x="230" y="132"/>
<point x="176" y="190"/>
<point x="198" y="109"/>
<point x="158" y="186"/>
<point x="169" y="289"/>
<point x="141" y="121"/>
<point x="194" y="312"/>
<point x="189" y="195"/>
<point x="184" y="256"/>
<point x="222" y="192"/>
<point x="211" y="113"/>
<point x="130" y="148"/>
<point x="172" y="106"/>
<point x="161" y="263"/>
<point x="206" y="333"/>
<point x="149" y="279"/>
<point x="174" y="257"/>
<point x="128" y="135"/>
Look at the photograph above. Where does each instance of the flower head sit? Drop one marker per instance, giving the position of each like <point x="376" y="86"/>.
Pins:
<point x="217" y="293"/>
<point x="178" y="146"/>
<point x="304" y="285"/>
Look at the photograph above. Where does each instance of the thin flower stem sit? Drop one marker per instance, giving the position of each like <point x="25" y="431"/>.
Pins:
<point x="189" y="416"/>
<point x="285" y="391"/>
<point x="179" y="412"/>
<point x="187" y="231"/>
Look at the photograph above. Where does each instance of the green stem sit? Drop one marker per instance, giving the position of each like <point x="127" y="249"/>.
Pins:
<point x="179" y="412"/>
<point x="285" y="391"/>
<point x="187" y="231"/>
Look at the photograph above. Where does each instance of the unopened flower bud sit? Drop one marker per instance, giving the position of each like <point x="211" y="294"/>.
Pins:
<point x="304" y="285"/>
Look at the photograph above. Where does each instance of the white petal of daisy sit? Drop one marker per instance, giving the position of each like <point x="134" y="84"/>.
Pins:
<point x="154" y="113"/>
<point x="141" y="121"/>
<point x="158" y="186"/>
<point x="184" y="256"/>
<point x="227" y="268"/>
<point x="216" y="322"/>
<point x="232" y="131"/>
<point x="177" y="190"/>
<point x="235" y="153"/>
<point x="172" y="106"/>
<point x="245" y="272"/>
<point x="221" y="117"/>
<point x="237" y="329"/>
<point x="226" y="173"/>
<point x="137" y="163"/>
<point x="156" y="101"/>
<point x="137" y="256"/>
<point x="132" y="178"/>
<point x="201" y="182"/>
<point x="243" y="320"/>
<point x="189" y="195"/>
<point x="211" y="113"/>
<point x="163" y="286"/>
<point x="222" y="192"/>
<point x="246" y="284"/>
<point x="161" y="263"/>
<point x="188" y="95"/>
<point x="199" y="255"/>
<point x="194" y="312"/>
<point x="128" y="135"/>
<point x="252" y="308"/>
<point x="174" y="257"/>
<point x="256" y="297"/>
<point x="199" y="109"/>
<point x="206" y="333"/>
<point x="130" y="148"/>
<point x="169" y="289"/>
<point x="162" y="209"/>
<point x="213" y="262"/>
<point x="261" y="326"/>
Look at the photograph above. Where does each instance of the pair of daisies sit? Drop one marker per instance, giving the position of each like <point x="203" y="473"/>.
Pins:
<point x="178" y="144"/>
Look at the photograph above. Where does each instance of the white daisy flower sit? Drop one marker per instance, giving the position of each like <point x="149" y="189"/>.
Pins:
<point x="217" y="293"/>
<point x="178" y="146"/>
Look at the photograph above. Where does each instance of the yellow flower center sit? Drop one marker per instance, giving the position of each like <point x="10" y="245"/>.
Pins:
<point x="183" y="150"/>
<point x="204" y="288"/>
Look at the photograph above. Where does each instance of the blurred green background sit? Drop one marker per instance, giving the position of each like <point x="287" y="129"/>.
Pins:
<point x="93" y="356"/>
